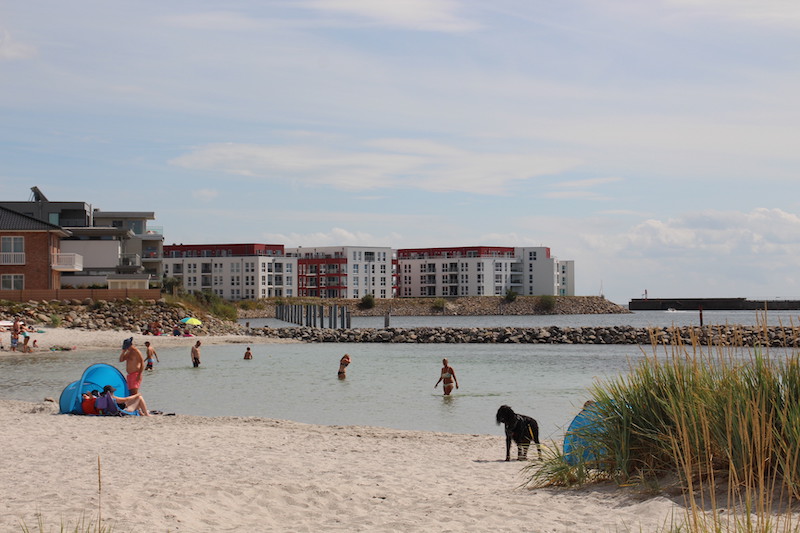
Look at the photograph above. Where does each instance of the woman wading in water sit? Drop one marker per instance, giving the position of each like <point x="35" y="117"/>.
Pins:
<point x="448" y="378"/>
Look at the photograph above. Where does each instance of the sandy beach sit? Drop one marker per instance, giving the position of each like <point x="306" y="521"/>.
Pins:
<point x="198" y="474"/>
<point x="80" y="339"/>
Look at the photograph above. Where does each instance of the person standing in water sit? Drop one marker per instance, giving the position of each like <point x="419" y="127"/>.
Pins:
<point x="196" y="354"/>
<point x="447" y="378"/>
<point x="134" y="364"/>
<point x="248" y="354"/>
<point x="150" y="357"/>
<point x="343" y="362"/>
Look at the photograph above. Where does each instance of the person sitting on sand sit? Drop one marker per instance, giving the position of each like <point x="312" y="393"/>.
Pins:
<point x="447" y="378"/>
<point x="343" y="363"/>
<point x="132" y="403"/>
<point x="248" y="354"/>
<point x="88" y="401"/>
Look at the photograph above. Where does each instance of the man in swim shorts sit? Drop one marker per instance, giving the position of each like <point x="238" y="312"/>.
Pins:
<point x="196" y="354"/>
<point x="134" y="365"/>
<point x="152" y="356"/>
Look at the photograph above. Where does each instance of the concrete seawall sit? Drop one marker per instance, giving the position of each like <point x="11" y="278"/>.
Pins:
<point x="709" y="335"/>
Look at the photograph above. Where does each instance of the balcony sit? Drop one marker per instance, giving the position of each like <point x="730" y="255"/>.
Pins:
<point x="12" y="258"/>
<point x="153" y="232"/>
<point x="129" y="263"/>
<point x="65" y="262"/>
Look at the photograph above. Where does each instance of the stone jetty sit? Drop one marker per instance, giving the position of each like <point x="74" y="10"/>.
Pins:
<point x="707" y="335"/>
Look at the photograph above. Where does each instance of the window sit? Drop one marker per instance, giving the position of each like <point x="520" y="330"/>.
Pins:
<point x="12" y="244"/>
<point x="12" y="282"/>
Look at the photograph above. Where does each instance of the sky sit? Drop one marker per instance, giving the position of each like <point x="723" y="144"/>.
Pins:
<point x="654" y="142"/>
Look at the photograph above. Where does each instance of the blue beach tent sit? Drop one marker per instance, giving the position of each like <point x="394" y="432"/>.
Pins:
<point x="95" y="377"/>
<point x="576" y="447"/>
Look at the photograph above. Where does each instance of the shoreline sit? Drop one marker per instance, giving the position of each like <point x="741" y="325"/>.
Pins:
<point x="194" y="474"/>
<point x="92" y="340"/>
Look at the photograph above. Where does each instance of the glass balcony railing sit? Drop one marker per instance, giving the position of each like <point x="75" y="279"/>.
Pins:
<point x="130" y="260"/>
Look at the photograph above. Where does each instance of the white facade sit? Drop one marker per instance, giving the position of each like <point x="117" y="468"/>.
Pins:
<point x="526" y="271"/>
<point x="236" y="278"/>
<point x="345" y="271"/>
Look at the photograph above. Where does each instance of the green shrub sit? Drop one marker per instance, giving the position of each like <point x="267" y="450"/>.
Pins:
<point x="510" y="296"/>
<point x="55" y="320"/>
<point x="439" y="304"/>
<point x="367" y="302"/>
<point x="547" y="302"/>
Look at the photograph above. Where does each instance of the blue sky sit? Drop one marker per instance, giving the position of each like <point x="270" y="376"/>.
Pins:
<point x="656" y="143"/>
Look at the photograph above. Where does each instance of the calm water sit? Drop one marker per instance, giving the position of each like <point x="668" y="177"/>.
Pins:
<point x="388" y="385"/>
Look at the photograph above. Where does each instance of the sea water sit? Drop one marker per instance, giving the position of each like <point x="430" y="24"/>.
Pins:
<point x="389" y="385"/>
<point x="639" y="319"/>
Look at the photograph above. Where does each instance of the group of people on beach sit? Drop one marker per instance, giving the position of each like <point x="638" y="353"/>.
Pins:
<point x="20" y="329"/>
<point x="135" y="365"/>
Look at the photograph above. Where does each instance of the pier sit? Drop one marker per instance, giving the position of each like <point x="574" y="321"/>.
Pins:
<point x="711" y="304"/>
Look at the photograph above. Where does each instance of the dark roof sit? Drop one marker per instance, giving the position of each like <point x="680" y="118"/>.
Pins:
<point x="10" y="220"/>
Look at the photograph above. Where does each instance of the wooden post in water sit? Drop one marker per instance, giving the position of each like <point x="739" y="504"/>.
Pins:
<point x="342" y="315"/>
<point x="700" y="307"/>
<point x="349" y="318"/>
<point x="386" y="319"/>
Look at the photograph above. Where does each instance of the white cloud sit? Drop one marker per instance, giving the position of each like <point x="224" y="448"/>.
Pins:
<point x="388" y="164"/>
<point x="334" y="237"/>
<point x="11" y="49"/>
<point x="215" y="20"/>
<point x="772" y="12"/>
<point x="204" y="195"/>
<point x="427" y="15"/>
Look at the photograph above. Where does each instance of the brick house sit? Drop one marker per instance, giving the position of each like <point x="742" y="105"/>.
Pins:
<point x="30" y="253"/>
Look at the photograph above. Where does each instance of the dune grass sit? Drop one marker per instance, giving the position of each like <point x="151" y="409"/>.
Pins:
<point x="83" y="524"/>
<point x="724" y="421"/>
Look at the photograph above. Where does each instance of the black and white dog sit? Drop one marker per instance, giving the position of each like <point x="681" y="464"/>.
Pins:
<point x="521" y="429"/>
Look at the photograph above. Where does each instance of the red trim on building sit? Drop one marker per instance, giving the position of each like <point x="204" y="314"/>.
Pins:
<point x="222" y="250"/>
<point x="455" y="252"/>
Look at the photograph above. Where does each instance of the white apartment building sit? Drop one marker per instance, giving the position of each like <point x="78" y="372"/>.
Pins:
<point x="344" y="271"/>
<point x="482" y="271"/>
<point x="233" y="272"/>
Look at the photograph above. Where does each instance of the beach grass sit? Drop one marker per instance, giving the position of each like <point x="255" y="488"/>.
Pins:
<point x="721" y="420"/>
<point x="83" y="524"/>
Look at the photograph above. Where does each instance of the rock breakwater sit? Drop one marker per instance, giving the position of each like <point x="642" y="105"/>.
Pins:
<point x="462" y="306"/>
<point x="707" y="335"/>
<point x="123" y="315"/>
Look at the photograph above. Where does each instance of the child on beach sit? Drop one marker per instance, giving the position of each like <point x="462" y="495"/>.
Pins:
<point x="151" y="356"/>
